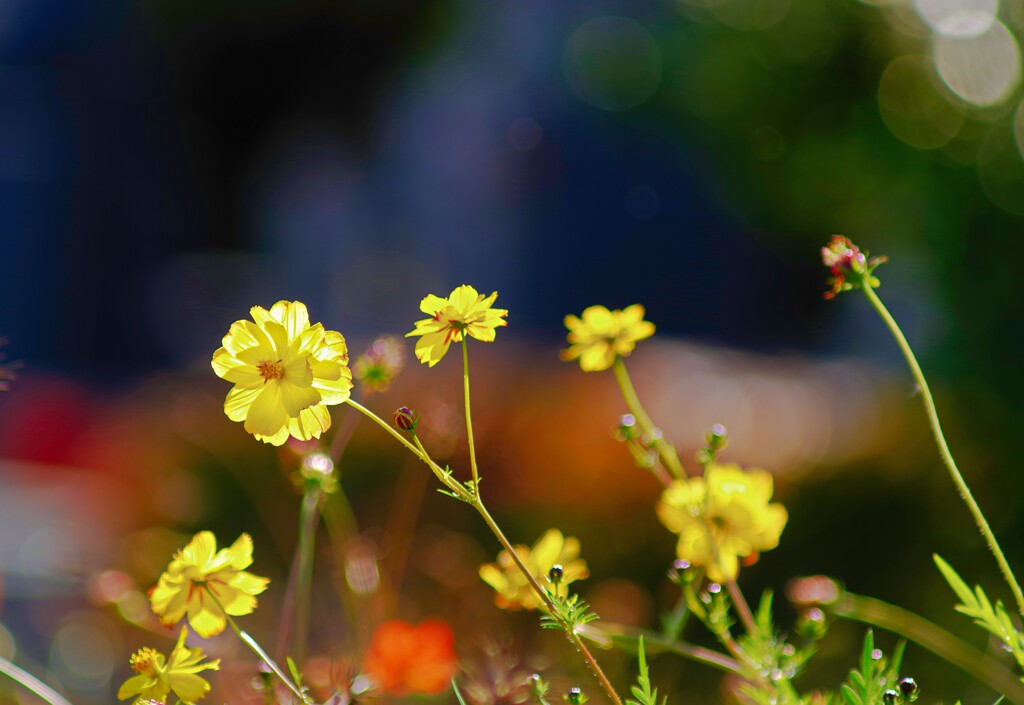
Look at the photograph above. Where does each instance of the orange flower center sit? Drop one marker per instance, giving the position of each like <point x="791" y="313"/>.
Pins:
<point x="270" y="369"/>
<point x="144" y="661"/>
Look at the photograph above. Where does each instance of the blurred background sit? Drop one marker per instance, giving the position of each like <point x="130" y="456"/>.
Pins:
<point x="164" y="165"/>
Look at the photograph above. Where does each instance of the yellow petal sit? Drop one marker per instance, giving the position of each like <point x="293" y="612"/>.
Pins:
<point x="296" y="398"/>
<point x="267" y="414"/>
<point x="310" y="423"/>
<point x="188" y="686"/>
<point x="238" y="401"/>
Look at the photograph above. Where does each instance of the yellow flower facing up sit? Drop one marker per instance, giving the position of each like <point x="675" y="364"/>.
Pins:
<point x="464" y="312"/>
<point x="204" y="584"/>
<point x="722" y="517"/>
<point x="156" y="677"/>
<point x="285" y="372"/>
<point x="513" y="589"/>
<point x="600" y="336"/>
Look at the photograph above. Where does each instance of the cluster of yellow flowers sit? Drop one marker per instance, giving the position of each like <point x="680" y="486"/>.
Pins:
<point x="722" y="517"/>
<point x="203" y="585"/>
<point x="287" y="371"/>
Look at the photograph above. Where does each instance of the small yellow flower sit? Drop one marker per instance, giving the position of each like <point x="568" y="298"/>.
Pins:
<point x="285" y="371"/>
<point x="156" y="677"/>
<point x="204" y="584"/>
<point x="464" y="312"/>
<point x="600" y="336"/>
<point x="513" y="589"/>
<point x="722" y="517"/>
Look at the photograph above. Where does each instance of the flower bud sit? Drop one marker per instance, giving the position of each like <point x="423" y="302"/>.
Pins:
<point x="406" y="419"/>
<point x="909" y="688"/>
<point x="575" y="696"/>
<point x="812" y="624"/>
<point x="555" y="574"/>
<point x="850" y="267"/>
<point x="890" y="697"/>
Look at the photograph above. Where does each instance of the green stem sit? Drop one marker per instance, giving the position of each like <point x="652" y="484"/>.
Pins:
<point x="469" y="418"/>
<point x="708" y="657"/>
<point x="883" y="615"/>
<point x="416" y="450"/>
<point x="265" y="657"/>
<point x="31" y="683"/>
<point x="740" y="603"/>
<point x="420" y="452"/>
<point x="940" y="441"/>
<point x="666" y="451"/>
<point x="308" y="521"/>
<point x="570" y="633"/>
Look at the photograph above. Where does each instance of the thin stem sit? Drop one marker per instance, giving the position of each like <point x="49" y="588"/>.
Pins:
<point x="31" y="683"/>
<point x="265" y="657"/>
<point x="869" y="610"/>
<point x="740" y="603"/>
<point x="709" y="657"/>
<point x="573" y="637"/>
<point x="309" y="519"/>
<point x="665" y="449"/>
<point x="416" y="450"/>
<point x="478" y="504"/>
<point x="469" y="418"/>
<point x="940" y="441"/>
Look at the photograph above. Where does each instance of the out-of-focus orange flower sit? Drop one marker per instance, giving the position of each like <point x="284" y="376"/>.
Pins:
<point x="404" y="658"/>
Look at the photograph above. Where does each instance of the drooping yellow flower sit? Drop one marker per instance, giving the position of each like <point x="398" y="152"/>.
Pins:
<point x="600" y="336"/>
<point x="156" y="677"/>
<point x="722" y="517"/>
<point x="285" y="371"/>
<point x="513" y="590"/>
<point x="464" y="312"/>
<point x="203" y="584"/>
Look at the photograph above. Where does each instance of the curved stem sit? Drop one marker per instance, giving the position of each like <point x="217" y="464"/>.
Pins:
<point x="469" y="418"/>
<point x="478" y="504"/>
<point x="708" y="657"/>
<point x="265" y="657"/>
<point x="31" y="683"/>
<point x="571" y="634"/>
<point x="877" y="613"/>
<point x="940" y="441"/>
<point x="666" y="451"/>
<point x="416" y="450"/>
<point x="308" y="521"/>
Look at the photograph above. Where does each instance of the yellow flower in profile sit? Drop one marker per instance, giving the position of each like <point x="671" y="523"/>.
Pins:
<point x="464" y="312"/>
<point x="512" y="587"/>
<point x="601" y="336"/>
<point x="285" y="371"/>
<point x="722" y="517"/>
<point x="203" y="584"/>
<point x="156" y="677"/>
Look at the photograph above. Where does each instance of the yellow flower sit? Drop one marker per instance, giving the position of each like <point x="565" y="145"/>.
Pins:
<point x="156" y="676"/>
<point x="722" y="517"/>
<point x="204" y="584"/>
<point x="285" y="372"/>
<point x="600" y="336"/>
<point x="513" y="589"/>
<point x="464" y="312"/>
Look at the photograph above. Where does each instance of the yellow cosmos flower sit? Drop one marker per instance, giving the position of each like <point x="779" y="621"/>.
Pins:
<point x="464" y="312"/>
<point x="600" y="336"/>
<point x="722" y="517"/>
<point x="156" y="677"/>
<point x="204" y="584"/>
<point x="285" y="371"/>
<point x="512" y="587"/>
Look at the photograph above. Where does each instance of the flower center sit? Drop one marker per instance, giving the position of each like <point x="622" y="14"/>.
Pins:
<point x="270" y="369"/>
<point x="144" y="661"/>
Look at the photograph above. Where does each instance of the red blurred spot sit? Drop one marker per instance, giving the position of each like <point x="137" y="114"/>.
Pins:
<point x="407" y="659"/>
